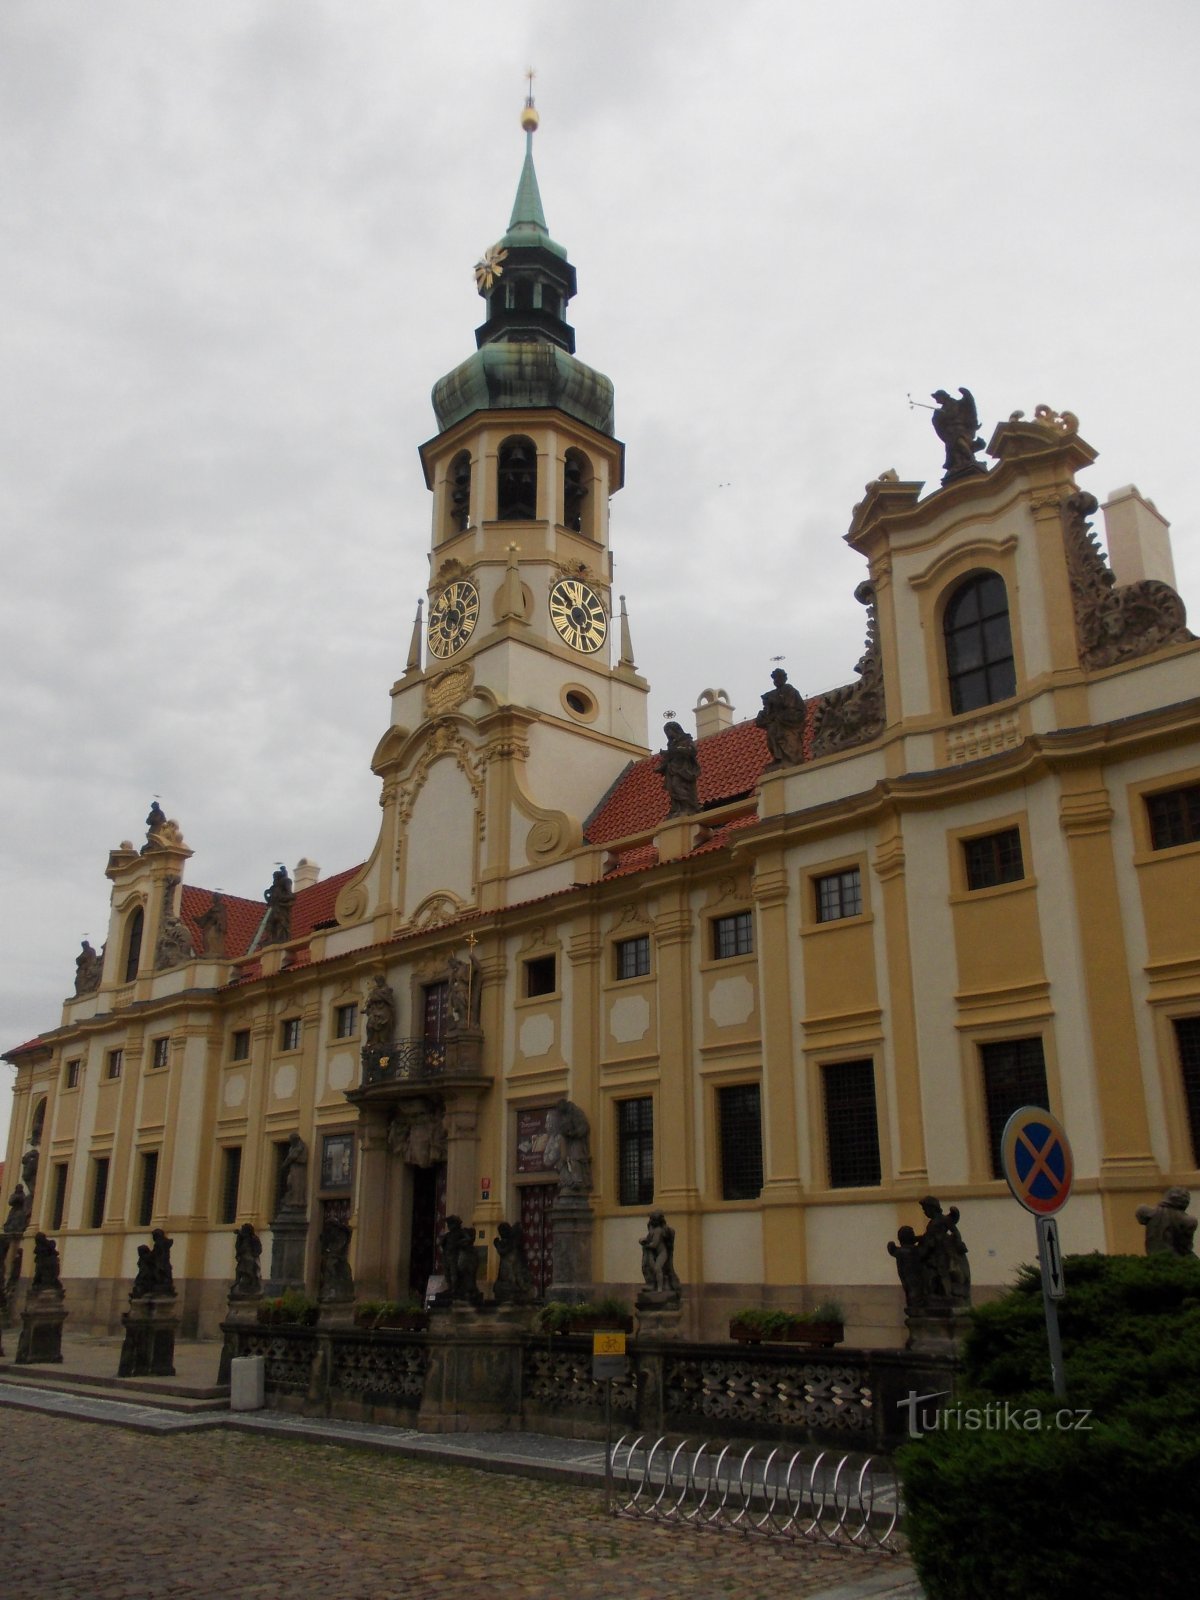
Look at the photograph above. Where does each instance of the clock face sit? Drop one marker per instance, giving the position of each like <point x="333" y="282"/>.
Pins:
<point x="578" y="615"/>
<point x="452" y="618"/>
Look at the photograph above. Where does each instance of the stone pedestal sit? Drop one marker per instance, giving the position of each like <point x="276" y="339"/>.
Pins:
<point x="660" y="1321"/>
<point x="241" y="1312"/>
<point x="572" y="1221"/>
<point x="289" y="1250"/>
<point x="473" y="1380"/>
<point x="937" y="1333"/>
<point x="41" y="1327"/>
<point x="150" y="1328"/>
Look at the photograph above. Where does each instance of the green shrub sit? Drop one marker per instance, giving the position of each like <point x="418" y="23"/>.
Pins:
<point x="1105" y="1508"/>
<point x="289" y="1307"/>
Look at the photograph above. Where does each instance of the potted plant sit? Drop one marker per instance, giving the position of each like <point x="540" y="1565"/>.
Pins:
<point x="404" y="1316"/>
<point x="290" y="1309"/>
<point x="584" y="1316"/>
<point x="824" y="1325"/>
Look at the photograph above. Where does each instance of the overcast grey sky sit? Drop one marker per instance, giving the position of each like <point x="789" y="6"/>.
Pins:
<point x="237" y="247"/>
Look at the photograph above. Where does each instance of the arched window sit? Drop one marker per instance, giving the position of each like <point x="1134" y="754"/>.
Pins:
<point x="517" y="487"/>
<point x="979" y="653"/>
<point x="38" y="1123"/>
<point x="577" y="479"/>
<point x="133" y="945"/>
<point x="458" y="491"/>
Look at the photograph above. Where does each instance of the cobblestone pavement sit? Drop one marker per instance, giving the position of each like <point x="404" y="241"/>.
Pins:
<point x="97" y="1513"/>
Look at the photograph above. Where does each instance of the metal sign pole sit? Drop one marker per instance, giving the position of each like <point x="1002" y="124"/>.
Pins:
<point x="608" y="1445"/>
<point x="1050" y="1262"/>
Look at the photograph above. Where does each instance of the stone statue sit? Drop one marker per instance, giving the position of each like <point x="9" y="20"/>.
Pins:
<point x="143" y="1281"/>
<point x="247" y="1273"/>
<point x="857" y="711"/>
<point x="955" y="422"/>
<point x="459" y="1261"/>
<point x="380" y="1010"/>
<point x="280" y="897"/>
<point x="294" y="1175"/>
<point x="164" y="1278"/>
<point x="782" y="719"/>
<point x="174" y="945"/>
<point x="213" y="925"/>
<point x="161" y="832"/>
<point x="18" y="1211"/>
<point x="419" y="1137"/>
<point x="1169" y="1228"/>
<point x="567" y="1147"/>
<point x="514" y="1281"/>
<point x="14" y="1272"/>
<point x="155" y="821"/>
<point x="463" y="996"/>
<point x="337" y="1281"/>
<point x="658" y="1255"/>
<point x="933" y="1269"/>
<point x="89" y="965"/>
<point x="29" y="1170"/>
<point x="46" y="1279"/>
<point x="680" y="768"/>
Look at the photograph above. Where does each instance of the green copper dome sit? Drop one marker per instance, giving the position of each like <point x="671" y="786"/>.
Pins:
<point x="526" y="347"/>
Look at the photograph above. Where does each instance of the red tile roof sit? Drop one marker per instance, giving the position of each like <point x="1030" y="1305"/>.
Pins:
<point x="313" y="908"/>
<point x="731" y="763"/>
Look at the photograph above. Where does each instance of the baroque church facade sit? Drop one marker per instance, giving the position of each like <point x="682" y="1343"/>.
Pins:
<point x="791" y="977"/>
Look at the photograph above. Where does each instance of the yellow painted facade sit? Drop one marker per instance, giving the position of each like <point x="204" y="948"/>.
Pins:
<point x="924" y="984"/>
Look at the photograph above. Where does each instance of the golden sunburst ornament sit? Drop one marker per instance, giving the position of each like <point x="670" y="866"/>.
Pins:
<point x="490" y="266"/>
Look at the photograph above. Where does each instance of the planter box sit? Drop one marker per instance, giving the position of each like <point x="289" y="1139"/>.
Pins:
<point x="822" y="1334"/>
<point x="600" y="1325"/>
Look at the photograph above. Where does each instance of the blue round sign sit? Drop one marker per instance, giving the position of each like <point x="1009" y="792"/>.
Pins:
<point x="1036" y="1157"/>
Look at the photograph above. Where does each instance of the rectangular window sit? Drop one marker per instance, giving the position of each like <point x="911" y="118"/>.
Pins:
<point x="58" y="1204"/>
<point x="839" y="895"/>
<point x="739" y="1113"/>
<point x="240" y="1045"/>
<point x="99" y="1190"/>
<point x="1174" y="816"/>
<point x="146" y="1193"/>
<point x="633" y="957"/>
<point x="540" y="976"/>
<point x="337" y="1160"/>
<point x="74" y="1072"/>
<point x="1014" y="1075"/>
<point x="231" y="1177"/>
<point x="1187" y="1037"/>
<point x="289" y="1033"/>
<point x="994" y="858"/>
<point x="162" y="1052"/>
<point x="113" y="1064"/>
<point x="733" y="936"/>
<point x="345" y="1021"/>
<point x="635" y="1151"/>
<point x="851" y="1124"/>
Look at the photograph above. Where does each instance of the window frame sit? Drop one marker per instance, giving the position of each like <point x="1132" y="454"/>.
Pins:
<point x="114" y="1064"/>
<point x="229" y="1192"/>
<point x="993" y="1119"/>
<point x="1187" y="1068"/>
<point x="639" y="944"/>
<point x="725" y="1132"/>
<point x="546" y="963"/>
<point x="737" y="924"/>
<point x="983" y="856"/>
<point x="147" y="1186"/>
<point x="346" y="1012"/>
<point x="290" y="1034"/>
<point x="970" y="585"/>
<point x="101" y="1166"/>
<point x="73" y="1072"/>
<point x="239" y="1044"/>
<point x="824" y="911"/>
<point x="160" y="1052"/>
<point x="58" y="1194"/>
<point x="839" y="1179"/>
<point x="1188" y="794"/>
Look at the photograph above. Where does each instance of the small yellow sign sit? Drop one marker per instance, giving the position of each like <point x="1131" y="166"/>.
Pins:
<point x="608" y="1344"/>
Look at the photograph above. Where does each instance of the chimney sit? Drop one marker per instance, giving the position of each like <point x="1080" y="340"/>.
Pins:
<point x="1138" y="537"/>
<point x="306" y="874"/>
<point x="713" y="713"/>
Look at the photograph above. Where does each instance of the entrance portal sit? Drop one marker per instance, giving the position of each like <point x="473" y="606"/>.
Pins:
<point x="428" y="1223"/>
<point x="537" y="1225"/>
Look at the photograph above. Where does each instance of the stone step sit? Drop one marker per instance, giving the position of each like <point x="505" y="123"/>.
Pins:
<point x="137" y="1391"/>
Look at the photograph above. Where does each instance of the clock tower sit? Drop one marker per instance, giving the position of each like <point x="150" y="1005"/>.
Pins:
<point x="520" y="675"/>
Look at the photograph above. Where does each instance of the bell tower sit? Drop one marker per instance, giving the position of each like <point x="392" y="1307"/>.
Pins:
<point x="521" y="471"/>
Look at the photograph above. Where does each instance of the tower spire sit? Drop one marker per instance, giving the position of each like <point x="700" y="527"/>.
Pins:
<point x="527" y="214"/>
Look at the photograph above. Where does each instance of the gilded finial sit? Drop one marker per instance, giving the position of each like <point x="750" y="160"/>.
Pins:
<point x="529" y="116"/>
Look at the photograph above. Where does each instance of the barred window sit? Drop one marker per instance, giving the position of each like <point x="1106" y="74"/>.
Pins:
<point x="1014" y="1075"/>
<point x="633" y="957"/>
<point x="149" y="1179"/>
<point x="345" y="1021"/>
<point x="739" y="1113"/>
<point x="851" y="1124"/>
<point x="994" y="858"/>
<point x="1187" y="1037"/>
<point x="99" y="1190"/>
<point x="289" y="1033"/>
<point x="839" y="895"/>
<point x="1174" y="816"/>
<point x="161" y="1054"/>
<point x="635" y="1151"/>
<point x="733" y="935"/>
<point x="231" y="1177"/>
<point x="240" y="1045"/>
<point x="58" y="1205"/>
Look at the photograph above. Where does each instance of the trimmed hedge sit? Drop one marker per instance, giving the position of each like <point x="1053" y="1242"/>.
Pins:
<point x="1112" y="1511"/>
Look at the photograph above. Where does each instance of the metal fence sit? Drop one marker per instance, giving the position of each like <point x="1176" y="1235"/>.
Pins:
<point x="827" y="1498"/>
